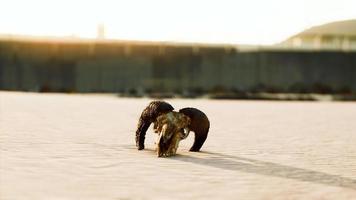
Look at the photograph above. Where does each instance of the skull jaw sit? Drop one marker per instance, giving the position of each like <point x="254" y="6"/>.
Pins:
<point x="167" y="147"/>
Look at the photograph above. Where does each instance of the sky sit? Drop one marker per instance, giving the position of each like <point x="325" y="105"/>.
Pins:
<point x="259" y="22"/>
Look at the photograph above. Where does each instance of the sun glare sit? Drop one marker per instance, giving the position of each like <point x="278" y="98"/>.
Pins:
<point x="223" y="21"/>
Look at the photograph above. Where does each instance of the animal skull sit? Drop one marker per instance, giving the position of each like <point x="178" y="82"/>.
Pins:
<point x="171" y="127"/>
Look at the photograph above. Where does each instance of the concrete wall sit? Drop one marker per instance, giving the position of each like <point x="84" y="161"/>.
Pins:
<point x="155" y="67"/>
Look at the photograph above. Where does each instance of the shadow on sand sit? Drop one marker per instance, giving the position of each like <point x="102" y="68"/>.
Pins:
<point x="235" y="163"/>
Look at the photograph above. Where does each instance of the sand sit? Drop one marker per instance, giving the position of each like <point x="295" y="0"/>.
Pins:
<point x="60" y="146"/>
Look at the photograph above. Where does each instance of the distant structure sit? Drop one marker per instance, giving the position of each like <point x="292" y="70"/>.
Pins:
<point x="339" y="35"/>
<point x="100" y="32"/>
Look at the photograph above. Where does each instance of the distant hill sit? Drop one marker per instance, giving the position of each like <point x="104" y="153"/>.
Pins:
<point x="346" y="28"/>
<point x="340" y="35"/>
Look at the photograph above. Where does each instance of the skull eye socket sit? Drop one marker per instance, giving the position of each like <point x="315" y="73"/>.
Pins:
<point x="167" y="132"/>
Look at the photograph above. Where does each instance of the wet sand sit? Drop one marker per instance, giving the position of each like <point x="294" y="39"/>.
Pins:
<point x="60" y="146"/>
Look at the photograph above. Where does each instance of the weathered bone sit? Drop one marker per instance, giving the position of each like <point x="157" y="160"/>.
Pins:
<point x="172" y="127"/>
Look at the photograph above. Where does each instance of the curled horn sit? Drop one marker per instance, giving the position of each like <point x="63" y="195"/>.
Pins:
<point x="149" y="115"/>
<point x="199" y="125"/>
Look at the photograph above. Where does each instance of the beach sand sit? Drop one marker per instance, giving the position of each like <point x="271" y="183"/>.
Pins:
<point x="66" y="146"/>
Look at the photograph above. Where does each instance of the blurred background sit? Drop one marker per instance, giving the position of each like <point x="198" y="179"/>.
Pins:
<point x="289" y="50"/>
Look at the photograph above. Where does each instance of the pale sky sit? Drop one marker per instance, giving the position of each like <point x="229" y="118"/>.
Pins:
<point x="212" y="21"/>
